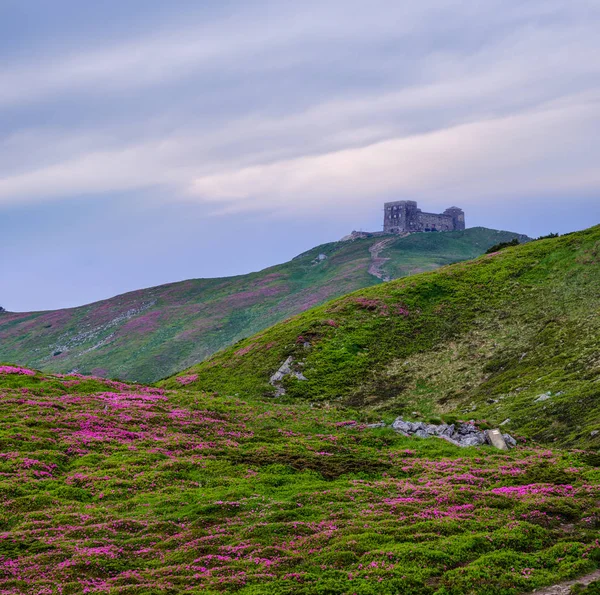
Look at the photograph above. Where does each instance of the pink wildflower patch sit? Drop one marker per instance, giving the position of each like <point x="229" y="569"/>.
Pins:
<point x="185" y="380"/>
<point x="535" y="489"/>
<point x="245" y="350"/>
<point x="16" y="370"/>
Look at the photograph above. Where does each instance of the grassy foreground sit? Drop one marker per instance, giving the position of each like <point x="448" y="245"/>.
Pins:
<point x="510" y="337"/>
<point x="115" y="488"/>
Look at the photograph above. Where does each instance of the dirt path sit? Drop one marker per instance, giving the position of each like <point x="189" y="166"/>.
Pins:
<point x="565" y="588"/>
<point x="376" y="261"/>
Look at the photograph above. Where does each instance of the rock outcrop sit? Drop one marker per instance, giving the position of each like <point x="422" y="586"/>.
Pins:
<point x="285" y="370"/>
<point x="465" y="434"/>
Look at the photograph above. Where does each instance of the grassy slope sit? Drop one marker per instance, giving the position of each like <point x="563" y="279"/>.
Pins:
<point x="110" y="488"/>
<point x="484" y="338"/>
<point x="148" y="334"/>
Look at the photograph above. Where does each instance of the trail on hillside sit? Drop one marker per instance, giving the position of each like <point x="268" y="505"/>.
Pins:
<point x="565" y="588"/>
<point x="377" y="262"/>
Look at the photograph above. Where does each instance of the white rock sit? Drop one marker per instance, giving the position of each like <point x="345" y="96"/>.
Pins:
<point x="496" y="439"/>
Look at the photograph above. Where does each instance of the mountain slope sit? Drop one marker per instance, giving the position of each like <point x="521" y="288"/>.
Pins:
<point x="512" y="335"/>
<point x="151" y="333"/>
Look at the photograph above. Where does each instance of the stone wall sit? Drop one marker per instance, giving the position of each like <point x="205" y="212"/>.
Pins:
<point x="433" y="222"/>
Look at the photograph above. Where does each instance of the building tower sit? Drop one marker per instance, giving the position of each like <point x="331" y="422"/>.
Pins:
<point x="458" y="217"/>
<point x="400" y="216"/>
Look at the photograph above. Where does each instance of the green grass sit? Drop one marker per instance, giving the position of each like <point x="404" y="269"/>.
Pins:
<point x="483" y="339"/>
<point x="114" y="488"/>
<point x="151" y="333"/>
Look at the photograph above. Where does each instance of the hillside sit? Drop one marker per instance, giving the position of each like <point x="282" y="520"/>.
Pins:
<point x="115" y="488"/>
<point x="510" y="337"/>
<point x="151" y="333"/>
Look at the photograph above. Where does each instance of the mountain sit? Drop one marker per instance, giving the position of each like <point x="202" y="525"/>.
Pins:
<point x="151" y="333"/>
<point x="110" y="487"/>
<point x="510" y="337"/>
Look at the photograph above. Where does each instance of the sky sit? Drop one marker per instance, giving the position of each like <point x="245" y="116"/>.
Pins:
<point x="144" y="142"/>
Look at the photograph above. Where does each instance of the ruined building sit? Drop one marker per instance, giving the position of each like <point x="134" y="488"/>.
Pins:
<point x="404" y="216"/>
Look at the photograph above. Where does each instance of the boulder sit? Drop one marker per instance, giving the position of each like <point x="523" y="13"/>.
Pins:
<point x="402" y="426"/>
<point x="473" y="440"/>
<point x="495" y="438"/>
<point x="284" y="370"/>
<point x="451" y="440"/>
<point x="510" y="441"/>
<point x="465" y="429"/>
<point x="447" y="430"/>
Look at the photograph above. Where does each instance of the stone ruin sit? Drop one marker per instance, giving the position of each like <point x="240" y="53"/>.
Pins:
<point x="403" y="216"/>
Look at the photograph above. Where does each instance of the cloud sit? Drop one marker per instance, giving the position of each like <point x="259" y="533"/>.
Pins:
<point x="307" y="105"/>
<point x="515" y="155"/>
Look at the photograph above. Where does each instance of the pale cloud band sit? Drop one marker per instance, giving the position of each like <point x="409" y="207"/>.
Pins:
<point x="510" y="112"/>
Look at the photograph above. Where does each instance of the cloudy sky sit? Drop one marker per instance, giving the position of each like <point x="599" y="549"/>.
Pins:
<point x="144" y="141"/>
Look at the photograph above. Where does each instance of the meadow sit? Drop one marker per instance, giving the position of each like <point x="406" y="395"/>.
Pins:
<point x="110" y="487"/>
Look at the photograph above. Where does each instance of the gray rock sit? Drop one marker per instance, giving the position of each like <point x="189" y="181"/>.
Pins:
<point x="506" y="421"/>
<point x="448" y="430"/>
<point x="380" y="424"/>
<point x="473" y="440"/>
<point x="421" y="434"/>
<point x="466" y="429"/>
<point x="510" y="441"/>
<point x="284" y="370"/>
<point x="543" y="397"/>
<point x="594" y="433"/>
<point x="463" y="435"/>
<point x="402" y="426"/>
<point x="451" y="440"/>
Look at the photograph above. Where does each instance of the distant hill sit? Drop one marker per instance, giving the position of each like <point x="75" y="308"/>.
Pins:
<point x="511" y="337"/>
<point x="151" y="333"/>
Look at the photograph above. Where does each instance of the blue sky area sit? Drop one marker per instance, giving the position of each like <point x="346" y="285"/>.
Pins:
<point x="145" y="141"/>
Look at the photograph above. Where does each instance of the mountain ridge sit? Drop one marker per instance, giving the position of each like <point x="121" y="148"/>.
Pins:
<point x="147" y="334"/>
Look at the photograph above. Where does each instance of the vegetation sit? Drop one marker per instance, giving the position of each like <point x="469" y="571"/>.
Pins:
<point x="148" y="334"/>
<point x="591" y="589"/>
<point x="115" y="488"/>
<point x="502" y="245"/>
<point x="511" y="338"/>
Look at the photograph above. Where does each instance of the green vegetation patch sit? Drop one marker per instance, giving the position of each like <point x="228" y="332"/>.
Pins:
<point x="510" y="338"/>
<point x="135" y="489"/>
